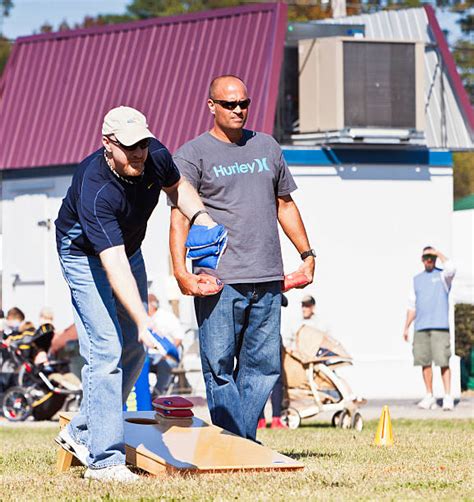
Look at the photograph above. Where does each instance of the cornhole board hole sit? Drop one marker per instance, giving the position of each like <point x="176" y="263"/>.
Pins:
<point x="160" y="446"/>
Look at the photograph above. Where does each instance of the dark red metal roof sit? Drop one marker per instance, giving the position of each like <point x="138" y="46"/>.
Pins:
<point x="57" y="87"/>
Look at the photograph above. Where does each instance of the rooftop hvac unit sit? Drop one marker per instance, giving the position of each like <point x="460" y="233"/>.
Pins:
<point x="363" y="86"/>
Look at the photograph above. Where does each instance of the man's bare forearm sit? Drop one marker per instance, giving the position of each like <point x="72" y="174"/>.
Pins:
<point x="187" y="200"/>
<point x="411" y="314"/>
<point x="116" y="265"/>
<point x="292" y="224"/>
<point x="123" y="283"/>
<point x="437" y="253"/>
<point x="179" y="227"/>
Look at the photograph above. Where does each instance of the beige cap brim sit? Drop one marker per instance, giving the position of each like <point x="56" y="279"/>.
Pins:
<point x="133" y="135"/>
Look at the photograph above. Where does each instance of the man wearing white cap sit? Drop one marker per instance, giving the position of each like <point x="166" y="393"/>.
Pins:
<point x="99" y="230"/>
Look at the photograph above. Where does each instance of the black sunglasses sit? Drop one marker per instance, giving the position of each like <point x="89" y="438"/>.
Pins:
<point x="232" y="105"/>
<point x="427" y="257"/>
<point x="144" y="143"/>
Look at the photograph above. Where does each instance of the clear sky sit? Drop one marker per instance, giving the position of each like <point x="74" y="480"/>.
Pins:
<point x="27" y="16"/>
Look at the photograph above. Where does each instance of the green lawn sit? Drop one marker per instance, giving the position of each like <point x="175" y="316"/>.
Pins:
<point x="430" y="460"/>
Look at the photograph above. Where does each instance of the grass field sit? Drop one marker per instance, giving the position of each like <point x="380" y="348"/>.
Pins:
<point x="430" y="460"/>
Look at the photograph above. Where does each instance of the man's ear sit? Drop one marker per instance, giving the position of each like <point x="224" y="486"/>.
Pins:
<point x="106" y="143"/>
<point x="212" y="106"/>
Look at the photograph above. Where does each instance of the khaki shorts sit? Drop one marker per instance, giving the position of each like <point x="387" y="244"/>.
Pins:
<point x="431" y="346"/>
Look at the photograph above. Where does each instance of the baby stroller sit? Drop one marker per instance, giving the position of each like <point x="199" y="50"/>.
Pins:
<point x="312" y="383"/>
<point x="43" y="388"/>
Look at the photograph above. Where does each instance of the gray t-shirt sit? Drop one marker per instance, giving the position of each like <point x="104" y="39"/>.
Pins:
<point x="239" y="184"/>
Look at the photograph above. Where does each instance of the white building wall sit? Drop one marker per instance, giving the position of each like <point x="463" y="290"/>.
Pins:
<point x="31" y="276"/>
<point x="463" y="254"/>
<point x="367" y="228"/>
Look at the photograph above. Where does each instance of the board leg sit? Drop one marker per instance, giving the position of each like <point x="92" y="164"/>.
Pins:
<point x="64" y="460"/>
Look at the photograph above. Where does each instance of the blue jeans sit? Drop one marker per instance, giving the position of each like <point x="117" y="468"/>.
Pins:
<point x="239" y="335"/>
<point x="276" y="399"/>
<point x="108" y="341"/>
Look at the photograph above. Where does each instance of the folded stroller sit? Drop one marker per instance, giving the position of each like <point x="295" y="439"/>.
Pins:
<point x="312" y="384"/>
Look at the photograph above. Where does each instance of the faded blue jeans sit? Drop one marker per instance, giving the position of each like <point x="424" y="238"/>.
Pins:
<point x="239" y="336"/>
<point x="108" y="341"/>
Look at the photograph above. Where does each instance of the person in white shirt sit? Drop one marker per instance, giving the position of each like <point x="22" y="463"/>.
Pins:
<point x="308" y="318"/>
<point x="429" y="307"/>
<point x="167" y="325"/>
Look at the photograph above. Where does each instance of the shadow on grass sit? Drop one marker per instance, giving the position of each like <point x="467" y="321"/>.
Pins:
<point x="316" y="425"/>
<point x="301" y="455"/>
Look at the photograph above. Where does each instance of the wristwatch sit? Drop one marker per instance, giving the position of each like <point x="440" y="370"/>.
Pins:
<point x="310" y="252"/>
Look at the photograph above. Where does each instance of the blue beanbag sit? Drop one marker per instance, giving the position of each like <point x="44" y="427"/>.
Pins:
<point x="211" y="261"/>
<point x="200" y="236"/>
<point x="206" y="245"/>
<point x="213" y="249"/>
<point x="165" y="346"/>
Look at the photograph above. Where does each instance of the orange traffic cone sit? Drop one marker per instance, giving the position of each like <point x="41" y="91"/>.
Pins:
<point x="384" y="434"/>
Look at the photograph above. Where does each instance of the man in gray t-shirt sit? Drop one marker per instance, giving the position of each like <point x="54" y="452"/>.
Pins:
<point x="244" y="184"/>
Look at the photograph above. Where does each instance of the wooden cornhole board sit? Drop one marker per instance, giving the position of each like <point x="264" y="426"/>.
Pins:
<point x="159" y="446"/>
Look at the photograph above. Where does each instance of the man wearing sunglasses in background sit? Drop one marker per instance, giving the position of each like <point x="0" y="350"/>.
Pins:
<point x="245" y="183"/>
<point x="429" y="308"/>
<point x="100" y="228"/>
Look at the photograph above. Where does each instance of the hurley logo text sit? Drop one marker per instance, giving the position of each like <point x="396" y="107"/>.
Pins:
<point x="257" y="166"/>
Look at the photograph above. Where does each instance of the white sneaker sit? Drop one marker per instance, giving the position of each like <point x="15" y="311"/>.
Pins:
<point x="428" y="402"/>
<point x="448" y="403"/>
<point x="117" y="473"/>
<point x="80" y="451"/>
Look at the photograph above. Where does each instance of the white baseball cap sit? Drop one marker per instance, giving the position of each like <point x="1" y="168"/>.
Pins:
<point x="128" y="125"/>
